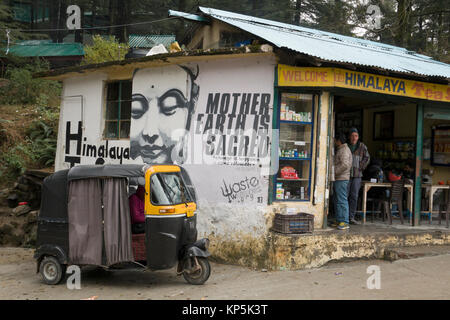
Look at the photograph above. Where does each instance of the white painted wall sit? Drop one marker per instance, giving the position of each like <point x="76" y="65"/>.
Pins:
<point x="222" y="211"/>
<point x="90" y="88"/>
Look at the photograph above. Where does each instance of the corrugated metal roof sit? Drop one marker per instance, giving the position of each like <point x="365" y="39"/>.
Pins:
<point x="150" y="40"/>
<point x="46" y="48"/>
<point x="333" y="47"/>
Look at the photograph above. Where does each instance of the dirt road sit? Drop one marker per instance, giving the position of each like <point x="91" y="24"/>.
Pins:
<point x="421" y="278"/>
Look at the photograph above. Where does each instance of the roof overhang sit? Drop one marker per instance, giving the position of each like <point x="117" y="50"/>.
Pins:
<point x="119" y="70"/>
<point x="188" y="16"/>
<point x="335" y="48"/>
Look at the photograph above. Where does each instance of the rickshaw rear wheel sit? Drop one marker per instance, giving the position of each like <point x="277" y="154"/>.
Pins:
<point x="201" y="275"/>
<point x="51" y="270"/>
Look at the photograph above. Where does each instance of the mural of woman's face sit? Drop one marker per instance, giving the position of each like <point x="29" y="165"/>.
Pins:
<point x="159" y="114"/>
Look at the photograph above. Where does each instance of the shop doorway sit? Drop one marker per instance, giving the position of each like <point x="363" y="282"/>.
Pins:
<point x="388" y="129"/>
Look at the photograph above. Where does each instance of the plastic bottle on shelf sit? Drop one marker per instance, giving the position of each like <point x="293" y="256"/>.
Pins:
<point x="380" y="176"/>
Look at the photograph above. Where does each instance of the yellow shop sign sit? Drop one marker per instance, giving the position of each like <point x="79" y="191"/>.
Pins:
<point x="289" y="76"/>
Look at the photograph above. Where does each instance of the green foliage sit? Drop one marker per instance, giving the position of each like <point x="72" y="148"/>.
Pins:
<point x="39" y="148"/>
<point x="104" y="49"/>
<point x="44" y="150"/>
<point x="35" y="145"/>
<point x="42" y="138"/>
<point x="6" y="22"/>
<point x="14" y="160"/>
<point x="22" y="88"/>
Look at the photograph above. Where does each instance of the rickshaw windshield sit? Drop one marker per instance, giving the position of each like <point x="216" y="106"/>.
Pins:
<point x="168" y="189"/>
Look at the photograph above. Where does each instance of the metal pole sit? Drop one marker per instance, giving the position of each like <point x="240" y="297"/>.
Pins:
<point x="419" y="161"/>
<point x="317" y="98"/>
<point x="82" y="106"/>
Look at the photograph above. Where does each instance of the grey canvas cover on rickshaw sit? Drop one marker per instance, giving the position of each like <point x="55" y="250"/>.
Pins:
<point x="107" y="170"/>
<point x="54" y="197"/>
<point x="87" y="233"/>
<point x="85" y="221"/>
<point x="117" y="219"/>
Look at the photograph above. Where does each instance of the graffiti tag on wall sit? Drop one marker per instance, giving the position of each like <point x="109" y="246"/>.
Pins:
<point x="245" y="190"/>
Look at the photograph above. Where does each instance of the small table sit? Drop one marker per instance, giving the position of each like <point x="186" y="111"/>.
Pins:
<point x="432" y="190"/>
<point x="367" y="185"/>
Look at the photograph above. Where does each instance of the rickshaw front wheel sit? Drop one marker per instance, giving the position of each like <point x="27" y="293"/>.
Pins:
<point x="51" y="270"/>
<point x="201" y="274"/>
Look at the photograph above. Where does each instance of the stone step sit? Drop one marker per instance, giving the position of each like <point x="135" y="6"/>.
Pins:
<point x="396" y="253"/>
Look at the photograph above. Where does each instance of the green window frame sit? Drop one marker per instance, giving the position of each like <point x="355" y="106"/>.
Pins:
<point x="118" y="110"/>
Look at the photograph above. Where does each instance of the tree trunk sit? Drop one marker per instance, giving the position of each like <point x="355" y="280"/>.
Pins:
<point x="403" y="31"/>
<point x="298" y="12"/>
<point x="440" y="39"/>
<point x="112" y="15"/>
<point x="182" y="6"/>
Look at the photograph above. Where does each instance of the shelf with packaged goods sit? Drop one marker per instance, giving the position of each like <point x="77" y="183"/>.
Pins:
<point x="296" y="130"/>
<point x="300" y="143"/>
<point x="294" y="159"/>
<point x="300" y="179"/>
<point x="295" y="122"/>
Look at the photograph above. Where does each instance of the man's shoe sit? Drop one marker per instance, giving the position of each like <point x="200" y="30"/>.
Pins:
<point x="343" y="226"/>
<point x="353" y="221"/>
<point x="334" y="224"/>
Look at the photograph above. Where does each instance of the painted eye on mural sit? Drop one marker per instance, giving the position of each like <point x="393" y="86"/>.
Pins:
<point x="139" y="106"/>
<point x="170" y="101"/>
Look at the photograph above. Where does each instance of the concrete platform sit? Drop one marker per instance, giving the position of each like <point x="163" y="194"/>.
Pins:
<point x="293" y="252"/>
<point x="359" y="242"/>
<point x="397" y="253"/>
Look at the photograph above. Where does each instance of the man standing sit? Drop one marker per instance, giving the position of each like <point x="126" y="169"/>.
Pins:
<point x="361" y="159"/>
<point x="342" y="167"/>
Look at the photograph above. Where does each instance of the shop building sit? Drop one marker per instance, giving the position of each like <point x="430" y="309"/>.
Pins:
<point x="254" y="125"/>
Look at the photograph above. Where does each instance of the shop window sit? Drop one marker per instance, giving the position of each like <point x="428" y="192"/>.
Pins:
<point x="440" y="152"/>
<point x="296" y="117"/>
<point x="118" y="110"/>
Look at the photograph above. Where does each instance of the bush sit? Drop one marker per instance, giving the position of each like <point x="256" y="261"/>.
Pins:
<point x="43" y="142"/>
<point x="38" y="149"/>
<point x="31" y="142"/>
<point x="22" y="88"/>
<point x="104" y="50"/>
<point x="15" y="159"/>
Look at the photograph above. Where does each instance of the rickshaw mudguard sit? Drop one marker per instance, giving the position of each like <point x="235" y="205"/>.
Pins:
<point x="195" y="251"/>
<point x="50" y="250"/>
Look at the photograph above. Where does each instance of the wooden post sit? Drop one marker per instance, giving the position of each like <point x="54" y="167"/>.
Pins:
<point x="419" y="160"/>
<point x="275" y="138"/>
<point x="329" y="163"/>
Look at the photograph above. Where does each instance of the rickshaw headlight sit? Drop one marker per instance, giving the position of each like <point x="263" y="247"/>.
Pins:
<point x="167" y="210"/>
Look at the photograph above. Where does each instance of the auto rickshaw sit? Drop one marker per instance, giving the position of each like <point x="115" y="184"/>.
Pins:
<point x="85" y="220"/>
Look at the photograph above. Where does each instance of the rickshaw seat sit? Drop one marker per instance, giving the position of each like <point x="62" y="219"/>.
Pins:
<point x="138" y="243"/>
